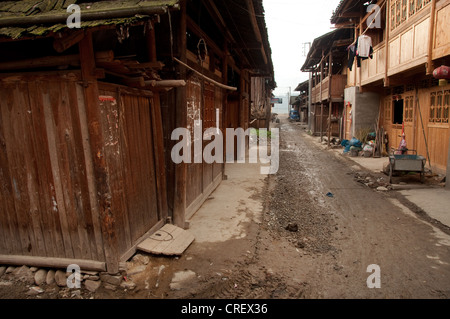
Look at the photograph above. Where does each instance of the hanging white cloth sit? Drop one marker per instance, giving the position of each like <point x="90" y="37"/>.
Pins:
<point x="364" y="45"/>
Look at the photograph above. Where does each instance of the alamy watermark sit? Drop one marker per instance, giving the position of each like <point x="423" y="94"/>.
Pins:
<point x="374" y="19"/>
<point x="374" y="280"/>
<point x="74" y="19"/>
<point x="74" y="279"/>
<point x="190" y="148"/>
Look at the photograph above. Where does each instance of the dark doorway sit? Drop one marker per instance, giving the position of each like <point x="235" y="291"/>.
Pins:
<point x="398" y="112"/>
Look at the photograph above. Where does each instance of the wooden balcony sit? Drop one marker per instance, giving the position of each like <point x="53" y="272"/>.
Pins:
<point x="336" y="93"/>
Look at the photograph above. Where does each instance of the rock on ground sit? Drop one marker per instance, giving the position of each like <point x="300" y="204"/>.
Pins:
<point x="60" y="278"/>
<point x="40" y="276"/>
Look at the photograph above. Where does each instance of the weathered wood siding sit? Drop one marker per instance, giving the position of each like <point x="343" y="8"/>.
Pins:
<point x="203" y="101"/>
<point x="130" y="156"/>
<point x="46" y="203"/>
<point x="48" y="198"/>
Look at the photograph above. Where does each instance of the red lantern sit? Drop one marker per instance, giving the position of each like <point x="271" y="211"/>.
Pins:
<point x="442" y="72"/>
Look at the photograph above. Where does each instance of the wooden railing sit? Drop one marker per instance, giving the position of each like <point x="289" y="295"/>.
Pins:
<point x="338" y="83"/>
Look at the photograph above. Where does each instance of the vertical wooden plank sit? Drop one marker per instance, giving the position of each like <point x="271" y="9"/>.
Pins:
<point x="20" y="169"/>
<point x="150" y="190"/>
<point x="89" y="169"/>
<point x="159" y="156"/>
<point x="97" y="141"/>
<point x="58" y="209"/>
<point x="179" y="206"/>
<point x="33" y="176"/>
<point x="50" y="220"/>
<point x="9" y="220"/>
<point x="114" y="156"/>
<point x="77" y="162"/>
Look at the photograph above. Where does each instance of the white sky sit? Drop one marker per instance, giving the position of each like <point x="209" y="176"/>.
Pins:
<point x="290" y="23"/>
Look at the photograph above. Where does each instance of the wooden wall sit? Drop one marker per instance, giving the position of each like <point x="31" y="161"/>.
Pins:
<point x="203" y="100"/>
<point x="48" y="199"/>
<point x="436" y="134"/>
<point x="131" y="155"/>
<point x="46" y="203"/>
<point x="441" y="45"/>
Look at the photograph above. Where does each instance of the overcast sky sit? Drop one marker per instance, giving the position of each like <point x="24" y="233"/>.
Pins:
<point x="291" y="23"/>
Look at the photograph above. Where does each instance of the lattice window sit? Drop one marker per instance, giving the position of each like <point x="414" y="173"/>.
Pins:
<point x="388" y="110"/>
<point x="438" y="112"/>
<point x="404" y="10"/>
<point x="419" y="5"/>
<point x="446" y="107"/>
<point x="398" y="5"/>
<point x="432" y="107"/>
<point x="393" y="25"/>
<point x="409" y="107"/>
<point x="412" y="7"/>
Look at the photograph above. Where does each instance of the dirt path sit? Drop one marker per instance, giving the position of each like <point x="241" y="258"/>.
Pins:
<point x="304" y="244"/>
<point x="337" y="237"/>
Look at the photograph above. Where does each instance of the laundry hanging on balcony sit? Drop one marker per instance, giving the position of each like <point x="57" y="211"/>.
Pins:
<point x="361" y="49"/>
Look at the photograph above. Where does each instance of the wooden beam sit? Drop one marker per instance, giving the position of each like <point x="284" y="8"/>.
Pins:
<point x="254" y="22"/>
<point x="166" y="83"/>
<point x="87" y="15"/>
<point x="223" y="86"/>
<point x="194" y="27"/>
<point x="430" y="65"/>
<point x="146" y="65"/>
<point x="51" y="262"/>
<point x="151" y="42"/>
<point x="64" y="42"/>
<point x="52" y="61"/>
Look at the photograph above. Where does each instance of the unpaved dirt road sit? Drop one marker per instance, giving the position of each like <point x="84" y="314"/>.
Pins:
<point x="305" y="244"/>
<point x="337" y="237"/>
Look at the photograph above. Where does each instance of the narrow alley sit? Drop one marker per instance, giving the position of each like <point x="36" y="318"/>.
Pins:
<point x="301" y="243"/>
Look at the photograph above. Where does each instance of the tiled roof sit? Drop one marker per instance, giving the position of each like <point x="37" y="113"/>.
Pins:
<point x="40" y="17"/>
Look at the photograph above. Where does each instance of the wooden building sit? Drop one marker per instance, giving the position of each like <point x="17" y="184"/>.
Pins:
<point x="86" y="116"/>
<point x="395" y="88"/>
<point x="302" y="100"/>
<point x="327" y="61"/>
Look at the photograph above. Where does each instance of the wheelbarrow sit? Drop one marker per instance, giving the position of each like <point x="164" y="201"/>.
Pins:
<point x="406" y="163"/>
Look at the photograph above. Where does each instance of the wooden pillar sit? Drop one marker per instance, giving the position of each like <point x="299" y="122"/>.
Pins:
<point x="386" y="45"/>
<point x="103" y="191"/>
<point x="430" y="65"/>
<point x="225" y="100"/>
<point x="179" y="205"/>
<point x="447" y="178"/>
<point x="151" y="42"/>
<point x="330" y="72"/>
<point x="321" y="102"/>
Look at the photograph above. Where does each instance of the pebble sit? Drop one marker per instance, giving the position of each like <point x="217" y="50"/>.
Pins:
<point x="60" y="278"/>
<point x="40" y="276"/>
<point x="92" y="285"/>
<point x="382" y="189"/>
<point x="35" y="291"/>
<point x="2" y="270"/>
<point x="110" y="279"/>
<point x="10" y="269"/>
<point x="50" y="278"/>
<point x="24" y="274"/>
